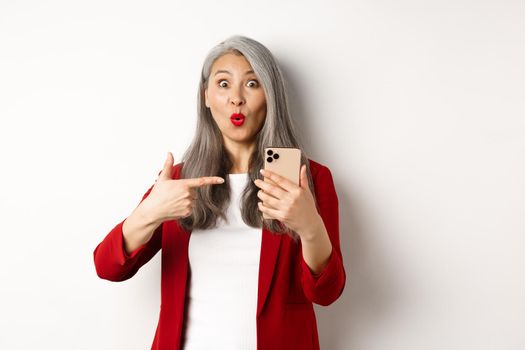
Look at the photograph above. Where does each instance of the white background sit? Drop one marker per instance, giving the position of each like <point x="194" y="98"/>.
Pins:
<point x="417" y="107"/>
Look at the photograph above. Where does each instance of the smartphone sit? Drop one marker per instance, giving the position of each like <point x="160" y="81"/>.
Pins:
<point x="285" y="161"/>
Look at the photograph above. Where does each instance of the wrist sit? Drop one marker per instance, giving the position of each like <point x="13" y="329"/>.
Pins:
<point x="147" y="215"/>
<point x="313" y="230"/>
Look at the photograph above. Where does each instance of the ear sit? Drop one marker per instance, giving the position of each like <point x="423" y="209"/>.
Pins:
<point x="206" y="98"/>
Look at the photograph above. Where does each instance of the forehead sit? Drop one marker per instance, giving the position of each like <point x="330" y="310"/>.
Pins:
<point x="235" y="64"/>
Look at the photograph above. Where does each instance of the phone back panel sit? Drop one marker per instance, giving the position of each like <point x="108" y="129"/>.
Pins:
<point x="285" y="161"/>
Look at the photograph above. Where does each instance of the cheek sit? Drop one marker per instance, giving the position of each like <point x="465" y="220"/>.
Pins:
<point x="215" y="95"/>
<point x="261" y="104"/>
<point x="261" y="117"/>
<point x="215" y="100"/>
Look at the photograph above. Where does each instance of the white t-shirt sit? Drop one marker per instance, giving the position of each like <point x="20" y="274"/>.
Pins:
<point x="222" y="290"/>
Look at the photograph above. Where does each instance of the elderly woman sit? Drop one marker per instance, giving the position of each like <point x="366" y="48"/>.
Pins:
<point x="232" y="279"/>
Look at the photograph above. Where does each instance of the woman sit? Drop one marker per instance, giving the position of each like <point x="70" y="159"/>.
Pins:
<point x="231" y="279"/>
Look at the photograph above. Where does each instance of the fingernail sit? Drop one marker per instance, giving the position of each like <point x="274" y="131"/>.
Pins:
<point x="262" y="171"/>
<point x="221" y="180"/>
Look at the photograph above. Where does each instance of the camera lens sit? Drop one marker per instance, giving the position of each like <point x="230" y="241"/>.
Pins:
<point x="269" y="152"/>
<point x="276" y="156"/>
<point x="269" y="159"/>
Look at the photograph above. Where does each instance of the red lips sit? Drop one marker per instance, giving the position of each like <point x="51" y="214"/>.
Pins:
<point x="237" y="119"/>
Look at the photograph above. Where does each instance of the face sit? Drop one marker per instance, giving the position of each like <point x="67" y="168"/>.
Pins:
<point x="234" y="88"/>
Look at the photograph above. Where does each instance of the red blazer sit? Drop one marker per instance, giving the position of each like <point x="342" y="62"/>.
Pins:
<point x="287" y="288"/>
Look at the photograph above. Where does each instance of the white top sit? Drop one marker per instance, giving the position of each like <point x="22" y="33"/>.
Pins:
<point x="222" y="290"/>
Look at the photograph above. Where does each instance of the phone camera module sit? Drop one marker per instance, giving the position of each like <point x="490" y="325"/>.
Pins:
<point x="273" y="156"/>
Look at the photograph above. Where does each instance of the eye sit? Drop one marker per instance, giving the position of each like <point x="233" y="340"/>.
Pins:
<point x="221" y="83"/>
<point x="255" y="83"/>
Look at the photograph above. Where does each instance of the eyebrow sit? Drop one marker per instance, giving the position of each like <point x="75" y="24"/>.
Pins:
<point x="228" y="72"/>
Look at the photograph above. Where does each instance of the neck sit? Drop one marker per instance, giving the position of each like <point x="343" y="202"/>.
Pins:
<point x="240" y="155"/>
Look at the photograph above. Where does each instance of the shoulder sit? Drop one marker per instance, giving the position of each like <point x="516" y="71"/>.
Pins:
<point x="317" y="169"/>
<point x="322" y="179"/>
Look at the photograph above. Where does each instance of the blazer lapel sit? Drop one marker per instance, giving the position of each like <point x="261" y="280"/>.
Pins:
<point x="269" y="252"/>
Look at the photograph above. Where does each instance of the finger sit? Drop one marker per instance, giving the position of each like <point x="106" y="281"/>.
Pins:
<point x="203" y="181"/>
<point x="279" y="180"/>
<point x="268" y="188"/>
<point x="193" y="194"/>
<point x="268" y="200"/>
<point x="269" y="211"/>
<point x="304" y="178"/>
<point x="165" y="174"/>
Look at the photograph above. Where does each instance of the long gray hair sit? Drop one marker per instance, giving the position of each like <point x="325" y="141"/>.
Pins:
<point x="206" y="156"/>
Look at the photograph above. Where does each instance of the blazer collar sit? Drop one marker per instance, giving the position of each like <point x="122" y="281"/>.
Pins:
<point x="269" y="252"/>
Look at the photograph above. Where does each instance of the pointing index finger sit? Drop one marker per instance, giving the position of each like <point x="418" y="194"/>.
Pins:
<point x="203" y="181"/>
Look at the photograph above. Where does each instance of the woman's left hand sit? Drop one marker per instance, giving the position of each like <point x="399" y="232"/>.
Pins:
<point x="289" y="203"/>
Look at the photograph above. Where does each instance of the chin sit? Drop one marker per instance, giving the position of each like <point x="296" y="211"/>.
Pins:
<point x="244" y="138"/>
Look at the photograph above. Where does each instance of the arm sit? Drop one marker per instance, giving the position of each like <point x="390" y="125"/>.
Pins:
<point x="316" y="248"/>
<point x="128" y="246"/>
<point x="324" y="280"/>
<point x="138" y="229"/>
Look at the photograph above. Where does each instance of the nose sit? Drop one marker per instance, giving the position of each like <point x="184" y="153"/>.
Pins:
<point x="237" y="101"/>
<point x="237" y="98"/>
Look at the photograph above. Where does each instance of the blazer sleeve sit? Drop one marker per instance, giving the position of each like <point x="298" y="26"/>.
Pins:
<point x="326" y="287"/>
<point x="111" y="260"/>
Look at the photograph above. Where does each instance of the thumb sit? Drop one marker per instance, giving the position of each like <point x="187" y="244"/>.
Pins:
<point x="165" y="174"/>
<point x="304" y="178"/>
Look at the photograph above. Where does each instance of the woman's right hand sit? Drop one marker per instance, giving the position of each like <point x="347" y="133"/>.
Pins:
<point x="171" y="199"/>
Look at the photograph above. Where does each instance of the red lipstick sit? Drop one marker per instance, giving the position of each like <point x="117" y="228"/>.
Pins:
<point x="237" y="119"/>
